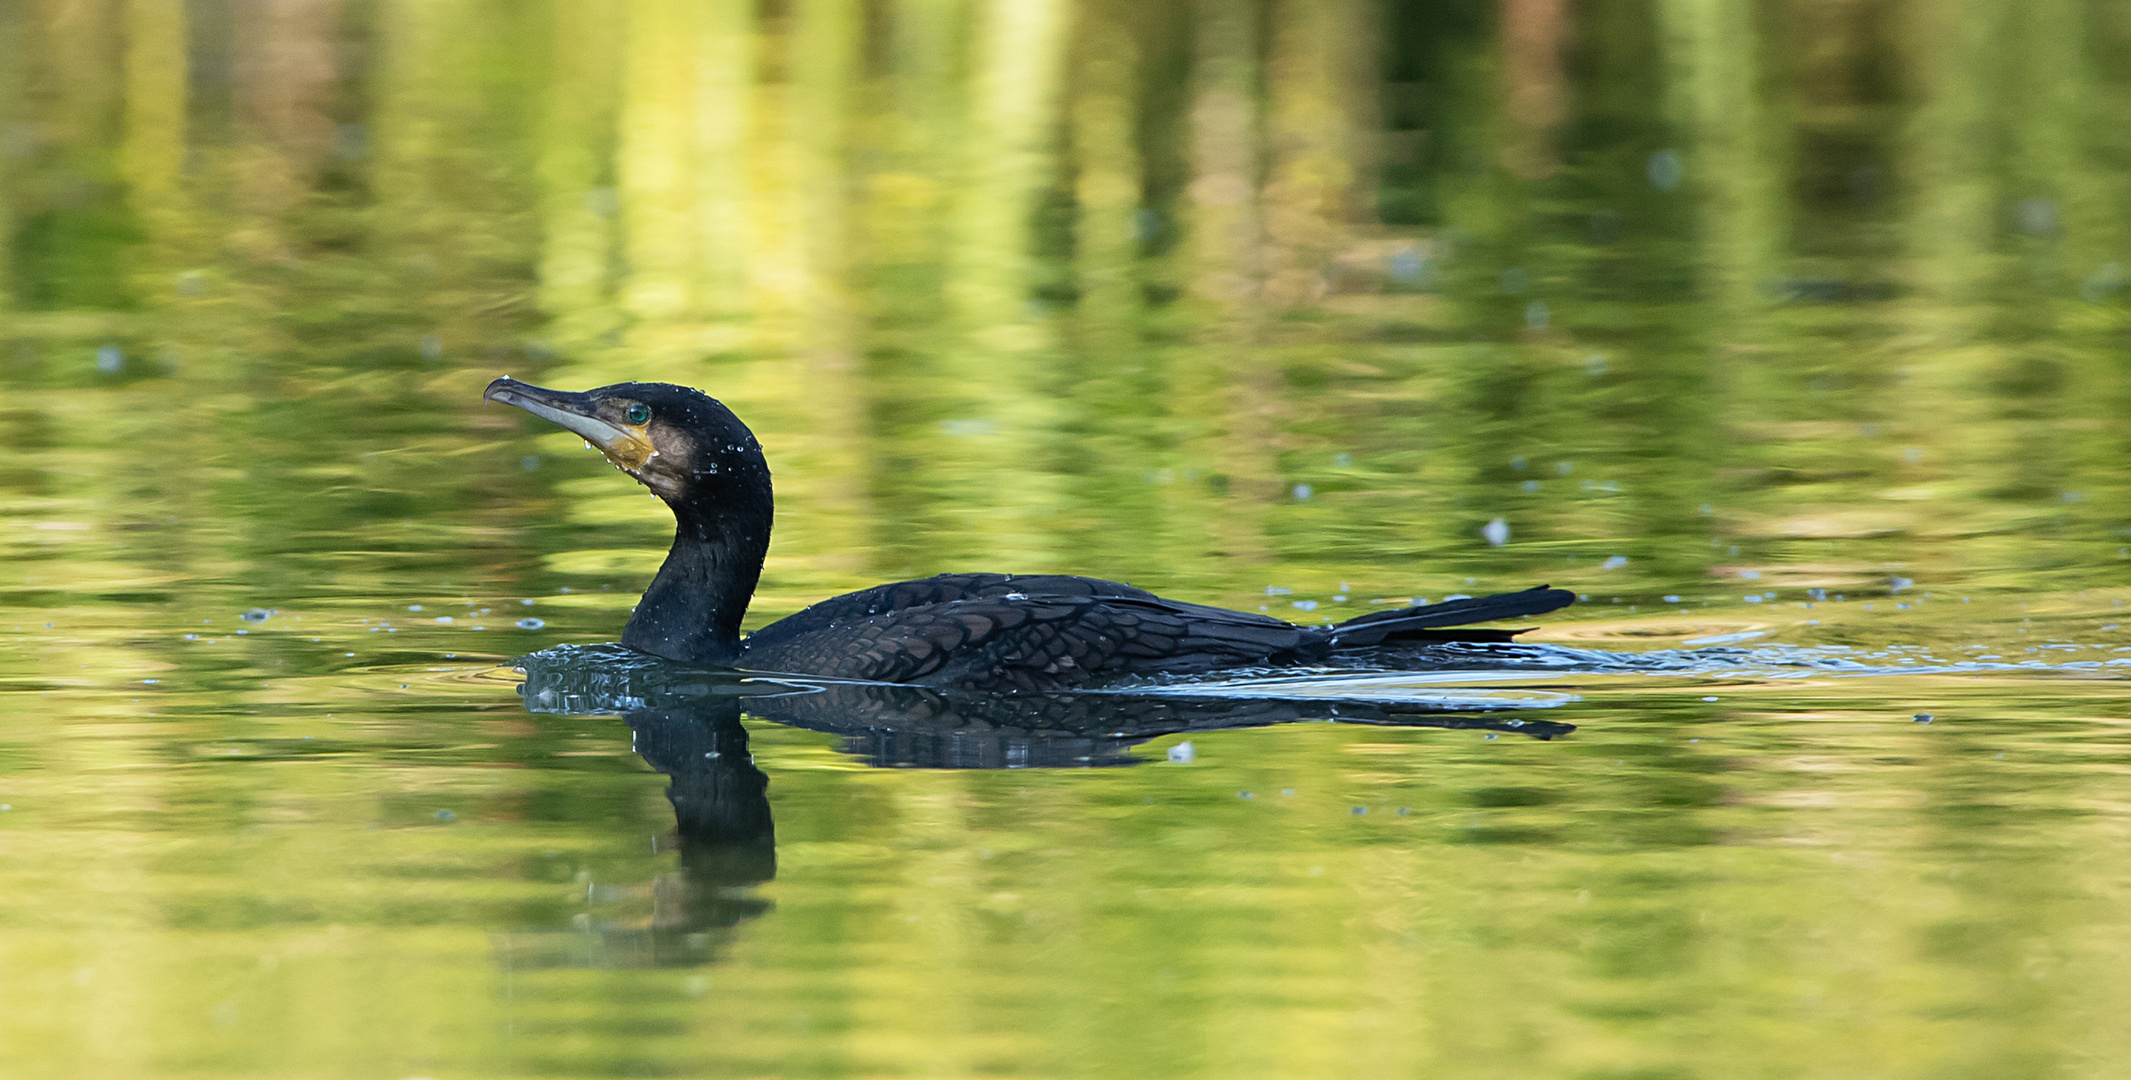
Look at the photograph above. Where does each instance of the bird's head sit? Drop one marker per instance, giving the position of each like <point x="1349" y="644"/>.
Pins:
<point x="683" y="444"/>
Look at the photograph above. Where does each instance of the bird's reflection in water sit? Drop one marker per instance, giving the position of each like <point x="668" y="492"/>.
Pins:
<point x="721" y="812"/>
<point x="686" y="723"/>
<point x="726" y="840"/>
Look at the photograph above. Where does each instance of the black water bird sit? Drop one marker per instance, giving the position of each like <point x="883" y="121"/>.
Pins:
<point x="994" y="632"/>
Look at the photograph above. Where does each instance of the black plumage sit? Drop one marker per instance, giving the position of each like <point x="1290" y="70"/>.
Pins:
<point x="997" y="632"/>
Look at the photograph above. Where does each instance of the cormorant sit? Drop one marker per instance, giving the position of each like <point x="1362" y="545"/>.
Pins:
<point x="994" y="632"/>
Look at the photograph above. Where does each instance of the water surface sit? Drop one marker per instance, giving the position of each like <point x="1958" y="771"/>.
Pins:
<point x="1790" y="336"/>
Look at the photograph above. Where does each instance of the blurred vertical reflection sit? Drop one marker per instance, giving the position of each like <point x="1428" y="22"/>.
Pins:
<point x="284" y="83"/>
<point x="1535" y="91"/>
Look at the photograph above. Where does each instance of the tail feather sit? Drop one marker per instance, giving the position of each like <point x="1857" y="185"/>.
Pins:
<point x="1411" y="622"/>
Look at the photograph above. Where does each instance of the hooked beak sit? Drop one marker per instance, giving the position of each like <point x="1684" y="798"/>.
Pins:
<point x="625" y="447"/>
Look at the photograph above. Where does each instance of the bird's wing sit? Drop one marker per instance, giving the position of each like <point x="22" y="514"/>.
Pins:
<point x="1019" y="641"/>
<point x="895" y="596"/>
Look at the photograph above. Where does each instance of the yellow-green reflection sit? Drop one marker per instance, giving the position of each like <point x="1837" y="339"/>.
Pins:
<point x="1702" y="299"/>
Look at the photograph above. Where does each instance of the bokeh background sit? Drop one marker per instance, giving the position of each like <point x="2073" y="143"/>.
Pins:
<point x="1803" y="323"/>
<point x="1167" y="292"/>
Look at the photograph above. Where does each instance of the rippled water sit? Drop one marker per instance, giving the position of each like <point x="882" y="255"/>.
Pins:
<point x="1789" y="336"/>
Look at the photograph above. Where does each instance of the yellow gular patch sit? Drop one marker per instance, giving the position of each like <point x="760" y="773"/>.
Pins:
<point x="630" y="451"/>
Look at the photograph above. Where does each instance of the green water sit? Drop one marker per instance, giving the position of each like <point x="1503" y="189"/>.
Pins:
<point x="1709" y="304"/>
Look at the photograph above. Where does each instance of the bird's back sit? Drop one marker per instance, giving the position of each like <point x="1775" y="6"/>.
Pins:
<point x="1014" y="632"/>
<point x="1019" y="633"/>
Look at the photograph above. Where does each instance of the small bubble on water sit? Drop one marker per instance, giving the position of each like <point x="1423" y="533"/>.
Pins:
<point x="1665" y="170"/>
<point x="1359" y="811"/>
<point x="1408" y="266"/>
<point x="1306" y="605"/>
<point x="443" y="620"/>
<point x="2106" y="279"/>
<point x="256" y="615"/>
<point x="529" y="462"/>
<point x="414" y="607"/>
<point x="1922" y="718"/>
<point x="1709" y="699"/>
<point x="1614" y="562"/>
<point x="446" y="815"/>
<point x="1495" y="532"/>
<point x="1671" y="598"/>
<point x="2036" y="216"/>
<point x="1302" y="492"/>
<point x="531" y="623"/>
<point x="1243" y="795"/>
<point x="1182" y="753"/>
<point x="110" y="360"/>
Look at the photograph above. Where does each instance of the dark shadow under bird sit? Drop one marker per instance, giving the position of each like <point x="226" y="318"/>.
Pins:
<point x="1004" y="633"/>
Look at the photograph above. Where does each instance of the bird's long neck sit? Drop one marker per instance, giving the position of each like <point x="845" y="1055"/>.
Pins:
<point x="692" y="610"/>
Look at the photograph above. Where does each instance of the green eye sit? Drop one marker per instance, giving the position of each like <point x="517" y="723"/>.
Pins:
<point x="639" y="413"/>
